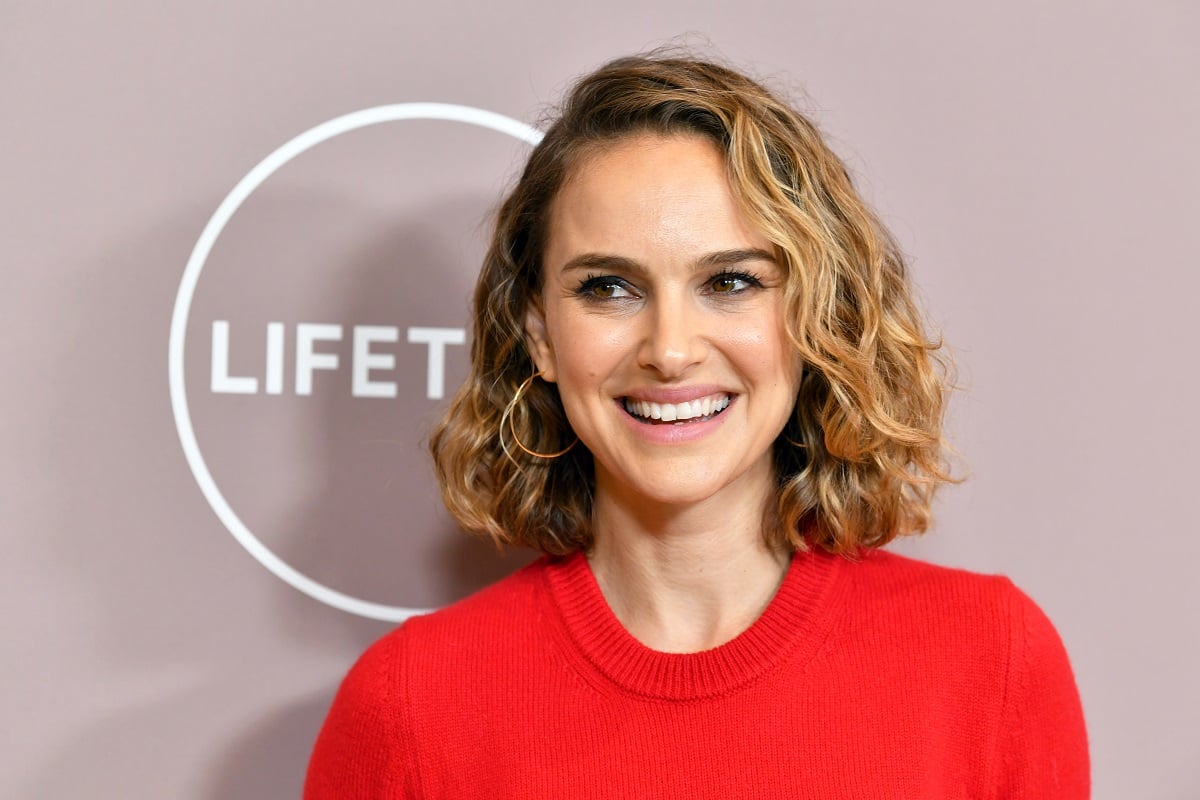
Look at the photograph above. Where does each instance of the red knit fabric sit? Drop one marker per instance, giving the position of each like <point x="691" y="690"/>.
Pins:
<point x="879" y="678"/>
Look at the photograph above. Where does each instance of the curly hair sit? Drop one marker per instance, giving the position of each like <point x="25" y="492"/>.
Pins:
<point x="859" y="460"/>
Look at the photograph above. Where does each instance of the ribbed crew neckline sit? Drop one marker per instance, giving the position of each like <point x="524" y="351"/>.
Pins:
<point x="793" y="625"/>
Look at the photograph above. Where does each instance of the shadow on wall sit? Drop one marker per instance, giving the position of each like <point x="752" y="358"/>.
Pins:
<point x="139" y="752"/>
<point x="385" y="534"/>
<point x="170" y="661"/>
<point x="257" y="765"/>
<point x="375" y="526"/>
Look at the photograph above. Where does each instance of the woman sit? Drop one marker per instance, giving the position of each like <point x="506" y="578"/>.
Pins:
<point x="701" y="387"/>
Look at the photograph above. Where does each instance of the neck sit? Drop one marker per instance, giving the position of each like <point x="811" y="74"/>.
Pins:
<point x="683" y="579"/>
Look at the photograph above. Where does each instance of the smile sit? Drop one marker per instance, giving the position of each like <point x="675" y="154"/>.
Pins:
<point x="677" y="413"/>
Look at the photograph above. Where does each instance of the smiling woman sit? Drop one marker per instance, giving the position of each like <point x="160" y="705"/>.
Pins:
<point x="700" y="385"/>
<point x="659" y="293"/>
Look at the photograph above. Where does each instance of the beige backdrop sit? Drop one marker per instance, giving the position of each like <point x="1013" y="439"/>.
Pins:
<point x="1038" y="160"/>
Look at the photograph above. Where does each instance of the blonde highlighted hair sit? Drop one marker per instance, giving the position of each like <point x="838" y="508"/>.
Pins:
<point x="859" y="460"/>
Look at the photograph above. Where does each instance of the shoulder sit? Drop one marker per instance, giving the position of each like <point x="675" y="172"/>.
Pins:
<point x="470" y="637"/>
<point x="442" y="647"/>
<point x="949" y="611"/>
<point x="982" y="637"/>
<point x="360" y="742"/>
<point x="936" y="594"/>
<point x="884" y="577"/>
<point x="497" y="610"/>
<point x="951" y="614"/>
<point x="505" y="609"/>
<point x="896" y="576"/>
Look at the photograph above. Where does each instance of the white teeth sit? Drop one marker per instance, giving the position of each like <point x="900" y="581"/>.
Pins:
<point x="678" y="412"/>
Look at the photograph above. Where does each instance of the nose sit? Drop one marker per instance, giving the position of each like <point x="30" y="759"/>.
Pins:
<point x="673" y="340"/>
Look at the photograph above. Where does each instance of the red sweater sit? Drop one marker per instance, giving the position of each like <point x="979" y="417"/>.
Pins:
<point x="879" y="678"/>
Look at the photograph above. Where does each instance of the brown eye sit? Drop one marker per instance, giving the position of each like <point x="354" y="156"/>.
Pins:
<point x="602" y="288"/>
<point x="732" y="283"/>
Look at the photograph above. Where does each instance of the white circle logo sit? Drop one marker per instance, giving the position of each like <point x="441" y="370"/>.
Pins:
<point x="183" y="303"/>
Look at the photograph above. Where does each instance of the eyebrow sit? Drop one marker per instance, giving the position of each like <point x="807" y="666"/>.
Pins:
<point x="719" y="258"/>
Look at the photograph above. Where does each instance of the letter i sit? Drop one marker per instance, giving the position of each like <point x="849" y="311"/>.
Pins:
<point x="274" y="358"/>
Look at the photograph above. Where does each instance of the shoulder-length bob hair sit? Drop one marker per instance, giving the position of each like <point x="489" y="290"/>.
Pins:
<point x="860" y="459"/>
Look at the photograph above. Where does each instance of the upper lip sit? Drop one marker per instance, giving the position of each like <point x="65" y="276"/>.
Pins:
<point x="674" y="394"/>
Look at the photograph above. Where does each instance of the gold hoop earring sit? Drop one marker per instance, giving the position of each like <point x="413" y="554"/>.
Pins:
<point x="513" y="428"/>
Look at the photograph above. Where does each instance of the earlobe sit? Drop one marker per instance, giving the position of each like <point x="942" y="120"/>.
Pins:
<point x="538" y="343"/>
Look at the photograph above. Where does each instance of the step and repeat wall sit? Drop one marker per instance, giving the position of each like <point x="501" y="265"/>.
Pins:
<point x="239" y="242"/>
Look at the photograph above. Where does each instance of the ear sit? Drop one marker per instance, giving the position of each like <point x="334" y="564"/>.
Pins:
<point x="538" y="342"/>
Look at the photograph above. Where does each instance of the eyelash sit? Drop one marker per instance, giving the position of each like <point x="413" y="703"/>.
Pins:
<point x="592" y="282"/>
<point x="751" y="280"/>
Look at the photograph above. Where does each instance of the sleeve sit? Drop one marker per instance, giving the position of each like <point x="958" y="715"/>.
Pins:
<point x="365" y="748"/>
<point x="1042" y="739"/>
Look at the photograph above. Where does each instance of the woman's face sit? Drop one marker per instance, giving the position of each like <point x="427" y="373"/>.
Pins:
<point x="662" y="324"/>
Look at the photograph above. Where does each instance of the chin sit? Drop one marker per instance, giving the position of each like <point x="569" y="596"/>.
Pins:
<point x="674" y="487"/>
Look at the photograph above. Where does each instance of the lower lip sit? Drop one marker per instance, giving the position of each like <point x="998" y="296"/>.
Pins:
<point x="672" y="433"/>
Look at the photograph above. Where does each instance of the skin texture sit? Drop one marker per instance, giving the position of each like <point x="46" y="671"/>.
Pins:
<point x="657" y="287"/>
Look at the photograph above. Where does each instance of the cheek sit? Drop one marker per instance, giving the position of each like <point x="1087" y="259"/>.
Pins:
<point x="587" y="352"/>
<point x="582" y="340"/>
<point x="764" y="343"/>
<point x="765" y="354"/>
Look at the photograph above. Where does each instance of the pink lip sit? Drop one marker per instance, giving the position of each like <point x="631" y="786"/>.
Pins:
<point x="671" y="433"/>
<point x="677" y="394"/>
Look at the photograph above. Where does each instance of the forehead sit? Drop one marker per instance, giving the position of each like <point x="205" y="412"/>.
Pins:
<point x="643" y="148"/>
<point x="649" y="196"/>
